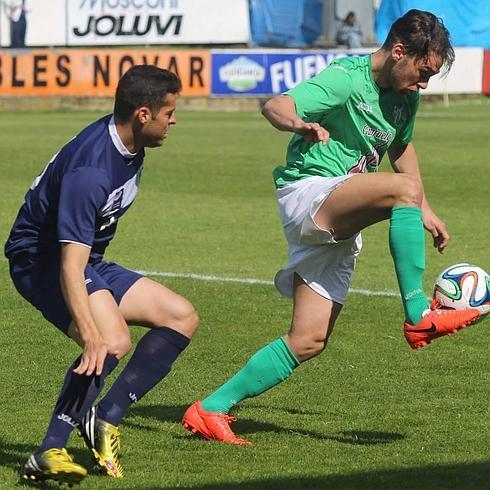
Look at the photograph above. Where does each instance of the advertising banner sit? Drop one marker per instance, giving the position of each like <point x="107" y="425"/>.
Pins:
<point x="266" y="72"/>
<point x="95" y="72"/>
<point x="110" y="22"/>
<point x="269" y="71"/>
<point x="130" y="22"/>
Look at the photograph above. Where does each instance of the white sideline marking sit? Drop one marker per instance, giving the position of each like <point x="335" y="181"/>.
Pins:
<point x="198" y="277"/>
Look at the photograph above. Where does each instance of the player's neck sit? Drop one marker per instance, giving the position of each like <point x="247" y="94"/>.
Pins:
<point x="380" y="68"/>
<point x="126" y="134"/>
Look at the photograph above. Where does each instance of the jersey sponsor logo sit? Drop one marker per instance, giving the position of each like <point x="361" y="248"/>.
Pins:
<point x="363" y="106"/>
<point x="385" y="136"/>
<point x="133" y="397"/>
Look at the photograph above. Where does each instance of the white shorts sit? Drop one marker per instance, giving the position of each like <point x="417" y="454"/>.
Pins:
<point x="324" y="263"/>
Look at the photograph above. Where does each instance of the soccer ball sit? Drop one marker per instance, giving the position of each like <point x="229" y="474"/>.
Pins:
<point x="462" y="286"/>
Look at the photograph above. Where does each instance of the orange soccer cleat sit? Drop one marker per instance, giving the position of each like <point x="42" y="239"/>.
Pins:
<point x="211" y="425"/>
<point x="438" y="322"/>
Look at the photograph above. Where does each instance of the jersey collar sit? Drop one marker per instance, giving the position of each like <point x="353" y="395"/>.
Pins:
<point x="118" y="143"/>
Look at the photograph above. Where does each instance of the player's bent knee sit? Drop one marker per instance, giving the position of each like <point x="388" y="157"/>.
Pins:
<point x="119" y="344"/>
<point x="188" y="322"/>
<point x="409" y="191"/>
<point x="119" y="348"/>
<point x="307" y="347"/>
<point x="183" y="318"/>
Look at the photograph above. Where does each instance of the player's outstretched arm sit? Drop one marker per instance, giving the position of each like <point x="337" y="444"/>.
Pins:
<point x="280" y="111"/>
<point x="74" y="259"/>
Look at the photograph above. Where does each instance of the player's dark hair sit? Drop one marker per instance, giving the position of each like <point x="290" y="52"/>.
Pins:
<point x="144" y="86"/>
<point x="422" y="33"/>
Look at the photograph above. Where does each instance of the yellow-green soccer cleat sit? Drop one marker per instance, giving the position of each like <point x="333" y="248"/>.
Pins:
<point x="53" y="464"/>
<point x="104" y="440"/>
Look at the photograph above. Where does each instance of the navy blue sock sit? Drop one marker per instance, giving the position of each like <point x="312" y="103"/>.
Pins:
<point x="77" y="396"/>
<point x="151" y="362"/>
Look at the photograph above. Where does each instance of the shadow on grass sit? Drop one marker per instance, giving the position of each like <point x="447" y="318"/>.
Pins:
<point x="462" y="476"/>
<point x="468" y="476"/>
<point x="245" y="426"/>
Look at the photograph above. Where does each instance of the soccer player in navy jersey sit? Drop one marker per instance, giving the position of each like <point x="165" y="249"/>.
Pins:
<point x="55" y="252"/>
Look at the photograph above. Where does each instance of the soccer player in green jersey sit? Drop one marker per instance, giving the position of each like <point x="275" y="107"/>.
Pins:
<point x="344" y="120"/>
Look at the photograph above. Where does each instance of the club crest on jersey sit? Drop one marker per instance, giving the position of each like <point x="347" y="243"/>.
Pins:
<point x="397" y="113"/>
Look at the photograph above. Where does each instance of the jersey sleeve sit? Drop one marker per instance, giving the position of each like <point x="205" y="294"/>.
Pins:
<point x="83" y="192"/>
<point x="328" y="90"/>
<point x="405" y="134"/>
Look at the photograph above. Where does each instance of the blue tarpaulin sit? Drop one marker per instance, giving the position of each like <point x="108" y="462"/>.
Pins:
<point x="468" y="21"/>
<point x="285" y="22"/>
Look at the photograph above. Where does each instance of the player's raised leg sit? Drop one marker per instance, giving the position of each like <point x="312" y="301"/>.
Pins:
<point x="173" y="321"/>
<point x="368" y="198"/>
<point x="313" y="320"/>
<point x="79" y="391"/>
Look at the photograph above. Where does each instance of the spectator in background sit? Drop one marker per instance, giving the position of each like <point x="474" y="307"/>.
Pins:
<point x="350" y="32"/>
<point x="16" y="13"/>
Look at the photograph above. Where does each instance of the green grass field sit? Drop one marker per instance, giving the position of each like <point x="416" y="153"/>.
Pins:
<point x="367" y="414"/>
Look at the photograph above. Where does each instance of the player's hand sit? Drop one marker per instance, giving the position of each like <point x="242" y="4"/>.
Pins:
<point x="437" y="228"/>
<point x="93" y="356"/>
<point x="312" y="132"/>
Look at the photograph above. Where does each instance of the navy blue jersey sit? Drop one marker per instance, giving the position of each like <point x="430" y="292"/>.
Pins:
<point x="79" y="196"/>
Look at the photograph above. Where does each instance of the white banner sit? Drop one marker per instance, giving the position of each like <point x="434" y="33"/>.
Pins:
<point x="125" y="22"/>
<point x="120" y="22"/>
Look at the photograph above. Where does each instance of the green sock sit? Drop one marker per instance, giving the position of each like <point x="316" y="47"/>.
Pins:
<point x="268" y="367"/>
<point x="407" y="246"/>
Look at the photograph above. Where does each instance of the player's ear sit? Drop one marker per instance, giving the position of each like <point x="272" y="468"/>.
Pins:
<point x="143" y="115"/>
<point x="397" y="51"/>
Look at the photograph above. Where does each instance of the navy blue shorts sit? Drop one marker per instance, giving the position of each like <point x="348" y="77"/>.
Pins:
<point x="38" y="281"/>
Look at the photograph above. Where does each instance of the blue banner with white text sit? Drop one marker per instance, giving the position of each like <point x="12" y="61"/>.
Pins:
<point x="268" y="72"/>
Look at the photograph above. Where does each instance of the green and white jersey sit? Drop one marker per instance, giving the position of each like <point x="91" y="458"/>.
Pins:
<point x="363" y="121"/>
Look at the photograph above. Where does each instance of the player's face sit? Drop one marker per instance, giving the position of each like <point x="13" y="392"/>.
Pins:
<point x="410" y="74"/>
<point x="155" y="130"/>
